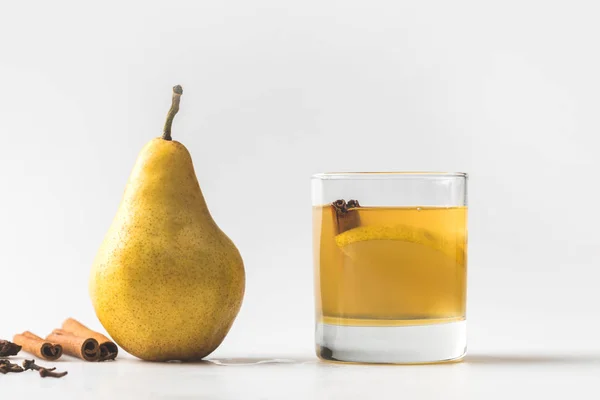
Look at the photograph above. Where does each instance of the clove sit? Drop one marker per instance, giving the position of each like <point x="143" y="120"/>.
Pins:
<point x="8" y="348"/>
<point x="44" y="373"/>
<point x="30" y="364"/>
<point x="6" y="366"/>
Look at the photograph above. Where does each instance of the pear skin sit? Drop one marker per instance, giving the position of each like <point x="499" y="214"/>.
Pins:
<point x="167" y="283"/>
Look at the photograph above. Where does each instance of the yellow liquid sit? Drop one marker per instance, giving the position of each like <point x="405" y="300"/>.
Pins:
<point x="391" y="266"/>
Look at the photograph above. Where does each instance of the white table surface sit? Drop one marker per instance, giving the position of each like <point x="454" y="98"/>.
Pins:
<point x="479" y="376"/>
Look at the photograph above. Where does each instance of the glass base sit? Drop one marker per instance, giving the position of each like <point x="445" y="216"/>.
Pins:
<point x="392" y="344"/>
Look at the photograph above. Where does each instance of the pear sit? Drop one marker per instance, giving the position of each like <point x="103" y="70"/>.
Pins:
<point x="166" y="283"/>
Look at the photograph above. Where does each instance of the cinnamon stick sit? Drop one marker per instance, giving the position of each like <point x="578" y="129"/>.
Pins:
<point x="346" y="215"/>
<point x="34" y="344"/>
<point x="85" y="348"/>
<point x="108" y="348"/>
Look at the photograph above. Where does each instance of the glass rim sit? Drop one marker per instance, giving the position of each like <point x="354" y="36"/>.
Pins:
<point x="389" y="175"/>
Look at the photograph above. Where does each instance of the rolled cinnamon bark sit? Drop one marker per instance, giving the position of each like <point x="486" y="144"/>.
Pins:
<point x="34" y="344"/>
<point x="108" y="348"/>
<point x="346" y="215"/>
<point x="85" y="348"/>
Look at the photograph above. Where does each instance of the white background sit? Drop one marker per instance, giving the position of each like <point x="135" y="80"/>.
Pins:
<point x="275" y="91"/>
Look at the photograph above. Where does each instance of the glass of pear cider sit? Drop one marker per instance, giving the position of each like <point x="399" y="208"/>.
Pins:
<point x="390" y="261"/>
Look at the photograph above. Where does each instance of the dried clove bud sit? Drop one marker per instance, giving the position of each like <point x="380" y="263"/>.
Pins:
<point x="8" y="348"/>
<point x="47" y="373"/>
<point x="30" y="364"/>
<point x="6" y="366"/>
<point x="44" y="372"/>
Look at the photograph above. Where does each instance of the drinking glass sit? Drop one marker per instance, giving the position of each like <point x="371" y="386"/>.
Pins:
<point x="390" y="259"/>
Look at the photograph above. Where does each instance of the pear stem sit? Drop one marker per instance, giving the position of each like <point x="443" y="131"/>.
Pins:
<point x="177" y="92"/>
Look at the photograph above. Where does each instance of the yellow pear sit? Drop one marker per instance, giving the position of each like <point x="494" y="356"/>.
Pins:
<point x="167" y="283"/>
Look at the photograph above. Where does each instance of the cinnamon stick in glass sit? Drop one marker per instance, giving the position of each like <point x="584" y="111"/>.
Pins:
<point x="108" y="348"/>
<point x="346" y="215"/>
<point x="85" y="348"/>
<point x="41" y="348"/>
